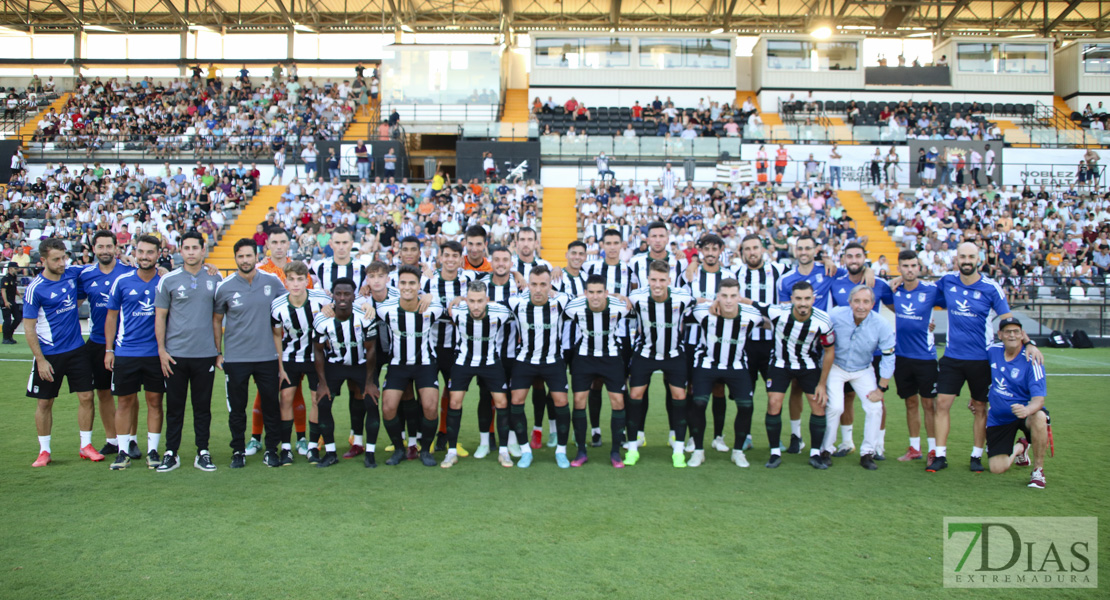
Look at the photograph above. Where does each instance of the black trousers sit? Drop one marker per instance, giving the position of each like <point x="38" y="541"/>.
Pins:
<point x="195" y="375"/>
<point x="12" y="317"/>
<point x="237" y="376"/>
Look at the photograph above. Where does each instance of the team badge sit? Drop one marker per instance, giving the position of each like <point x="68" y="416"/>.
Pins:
<point x="921" y="296"/>
<point x="977" y="295"/>
<point x="211" y="286"/>
<point x="266" y="290"/>
<point x="1014" y="373"/>
<point x="820" y="278"/>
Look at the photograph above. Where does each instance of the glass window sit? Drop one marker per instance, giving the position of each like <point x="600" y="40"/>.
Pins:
<point x="797" y="55"/>
<point x="787" y="55"/>
<point x="707" y="53"/>
<point x="1025" y="58"/>
<point x="150" y="45"/>
<point x="606" y="52"/>
<point x="52" y="46"/>
<point x="556" y="52"/>
<point x="1096" y="59"/>
<point x="661" y="53"/>
<point x="17" y="46"/>
<point x="106" y="46"/>
<point x="978" y="58"/>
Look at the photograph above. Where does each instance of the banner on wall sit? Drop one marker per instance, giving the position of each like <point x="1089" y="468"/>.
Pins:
<point x="1036" y="167"/>
<point x="957" y="161"/>
<point x="855" y="162"/>
<point x="735" y="171"/>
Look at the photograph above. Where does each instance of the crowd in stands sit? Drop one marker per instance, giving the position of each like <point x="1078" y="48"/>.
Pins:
<point x="915" y="120"/>
<point x="37" y="93"/>
<point x="1095" y="119"/>
<point x="708" y="118"/>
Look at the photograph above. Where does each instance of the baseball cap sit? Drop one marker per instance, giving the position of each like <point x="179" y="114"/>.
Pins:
<point x="1004" y="323"/>
<point x="13" y="265"/>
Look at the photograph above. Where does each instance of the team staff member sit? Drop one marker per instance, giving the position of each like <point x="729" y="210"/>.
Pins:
<point x="9" y="293"/>
<point x="1016" y="403"/>
<point x="131" y="349"/>
<point x="859" y="333"/>
<point x="242" y="318"/>
<point x="50" y="311"/>
<point x="915" y="352"/>
<point x="187" y="349"/>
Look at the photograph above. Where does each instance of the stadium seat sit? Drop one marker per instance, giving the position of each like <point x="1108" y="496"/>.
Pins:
<point x="1076" y="292"/>
<point x="1044" y="292"/>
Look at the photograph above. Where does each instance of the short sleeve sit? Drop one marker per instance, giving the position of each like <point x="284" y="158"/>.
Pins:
<point x="30" y="304"/>
<point x="115" y="299"/>
<point x="220" y="303"/>
<point x="162" y="295"/>
<point x="827" y="336"/>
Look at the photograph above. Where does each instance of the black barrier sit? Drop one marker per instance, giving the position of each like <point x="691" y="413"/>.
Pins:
<point x="7" y="150"/>
<point x="955" y="163"/>
<point x="907" y="76"/>
<point x="506" y="155"/>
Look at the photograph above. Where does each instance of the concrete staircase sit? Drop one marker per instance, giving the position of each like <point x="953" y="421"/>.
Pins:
<point x="244" y="226"/>
<point x="867" y="223"/>
<point x="31" y="126"/>
<point x="559" y="225"/>
<point x="359" y="129"/>
<point x="516" y="112"/>
<point x="769" y="119"/>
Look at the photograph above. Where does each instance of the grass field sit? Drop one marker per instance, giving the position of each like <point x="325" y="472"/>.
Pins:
<point x="75" y="529"/>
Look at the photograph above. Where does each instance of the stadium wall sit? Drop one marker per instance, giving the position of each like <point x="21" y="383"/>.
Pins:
<point x="627" y="96"/>
<point x="769" y="98"/>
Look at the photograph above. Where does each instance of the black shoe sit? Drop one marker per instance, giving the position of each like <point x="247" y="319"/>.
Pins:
<point x="9" y="341"/>
<point x="595" y="440"/>
<point x="976" y="464"/>
<point x="867" y="461"/>
<point x="428" y="459"/>
<point x="122" y="462"/>
<point x="330" y="458"/>
<point x="270" y="459"/>
<point x="817" y="462"/>
<point x="313" y="456"/>
<point x="109" y="449"/>
<point x="397" y="458"/>
<point x="153" y="461"/>
<point x="368" y="461"/>
<point x="286" y="458"/>
<point x="203" y="462"/>
<point x="238" y="460"/>
<point x="133" y="451"/>
<point x="826" y="457"/>
<point x="441" y="444"/>
<point x="940" y="462"/>
<point x="795" y="446"/>
<point x="169" y="463"/>
<point x="774" y="461"/>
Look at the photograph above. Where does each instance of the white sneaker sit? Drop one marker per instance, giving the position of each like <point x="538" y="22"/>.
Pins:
<point x="689" y="445"/>
<point x="696" y="459"/>
<point x="482" y="451"/>
<point x="719" y="444"/>
<point x="739" y="459"/>
<point x="253" y="446"/>
<point x="514" y="449"/>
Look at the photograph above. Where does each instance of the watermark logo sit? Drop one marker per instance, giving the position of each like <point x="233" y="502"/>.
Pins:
<point x="1021" y="552"/>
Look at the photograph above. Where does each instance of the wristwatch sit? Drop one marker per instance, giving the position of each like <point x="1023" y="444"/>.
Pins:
<point x="884" y="389"/>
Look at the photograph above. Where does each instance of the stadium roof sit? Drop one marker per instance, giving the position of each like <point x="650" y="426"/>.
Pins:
<point x="1066" y="18"/>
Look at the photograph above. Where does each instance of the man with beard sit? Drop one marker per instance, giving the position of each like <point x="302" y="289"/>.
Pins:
<point x="915" y="353"/>
<point x="617" y="278"/>
<point x="502" y="284"/>
<point x="446" y="284"/>
<point x="523" y="263"/>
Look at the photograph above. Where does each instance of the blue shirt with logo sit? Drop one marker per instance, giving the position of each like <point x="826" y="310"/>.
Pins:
<point x="1012" y="382"/>
<point x="54" y="306"/>
<point x="821" y="283"/>
<point x="913" y="311"/>
<point x="134" y="299"/>
<point x="969" y="308"/>
<point x="93" y="285"/>
<point x="842" y="288"/>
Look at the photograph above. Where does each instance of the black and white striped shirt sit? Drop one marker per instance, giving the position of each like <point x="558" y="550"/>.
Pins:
<point x="409" y="333"/>
<point x="525" y="268"/>
<point x="297" y="323"/>
<point x="364" y="302"/>
<point x="600" y="330"/>
<point x="344" y="342"/>
<point x="540" y="328"/>
<point x="444" y="291"/>
<point x="704" y="285"/>
<point x="659" y="324"/>
<point x="479" y="340"/>
<point x="618" y="277"/>
<point x="721" y="340"/>
<point x="762" y="287"/>
<point x="326" y="271"/>
<point x="796" y="342"/>
<point x="501" y="294"/>
<point x="573" y="286"/>
<point x="640" y="263"/>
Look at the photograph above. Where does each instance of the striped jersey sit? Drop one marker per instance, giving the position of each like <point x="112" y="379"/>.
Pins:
<point x="395" y="273"/>
<point x="703" y="286"/>
<point x="618" y="277"/>
<point x="639" y="267"/>
<point x="796" y="342"/>
<point x="762" y="287"/>
<point x="573" y="286"/>
<point x="525" y="268"/>
<point x="344" y="342"/>
<point x="444" y="291"/>
<point x="501" y="295"/>
<point x="540" y="328"/>
<point x="600" y="330"/>
<point x="296" y="324"/>
<point x="365" y="302"/>
<point x="409" y="333"/>
<point x="721" y="340"/>
<point x="659" y="324"/>
<point x="325" y="272"/>
<point x="478" y="341"/>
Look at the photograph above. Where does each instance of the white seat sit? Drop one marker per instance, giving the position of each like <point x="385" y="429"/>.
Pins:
<point x="1077" y="293"/>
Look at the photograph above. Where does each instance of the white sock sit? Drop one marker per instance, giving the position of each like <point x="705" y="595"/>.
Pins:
<point x="915" y="443"/>
<point x="483" y="438"/>
<point x="329" y="447"/>
<point x="413" y="441"/>
<point x="152" y="440"/>
<point x="452" y="452"/>
<point x="776" y="451"/>
<point x="286" y="446"/>
<point x="942" y="451"/>
<point x="633" y="445"/>
<point x="796" y="427"/>
<point x="814" y="451"/>
<point x="678" y="447"/>
<point x="503" y="450"/>
<point x="670" y="434"/>
<point x="596" y="430"/>
<point x="538" y="428"/>
<point x="932" y="443"/>
<point x="86" y="438"/>
<point x="121" y="443"/>
<point x="976" y="452"/>
<point x="358" y="440"/>
<point x="113" y="441"/>
<point x="313" y="445"/>
<point x="512" y="438"/>
<point x="560" y="449"/>
<point x="551" y="427"/>
<point x="525" y="449"/>
<point x="370" y="448"/>
<point x="846" y="435"/>
<point x="44" y="443"/>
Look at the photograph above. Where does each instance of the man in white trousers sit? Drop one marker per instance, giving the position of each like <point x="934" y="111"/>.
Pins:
<point x="859" y="333"/>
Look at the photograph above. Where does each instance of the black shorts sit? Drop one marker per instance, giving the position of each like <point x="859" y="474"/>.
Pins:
<point x="134" y="372"/>
<point x="674" y="371"/>
<point x="739" y="382"/>
<point x="445" y="361"/>
<point x="491" y="376"/>
<point x="758" y="355"/>
<point x="1001" y="438"/>
<point x="779" y="378"/>
<point x="553" y="374"/>
<point x="400" y="377"/>
<point x="915" y="377"/>
<point x="72" y="365"/>
<point x="295" y="371"/>
<point x="609" y="369"/>
<point x="102" y="377"/>
<point x="953" y="372"/>
<point x="336" y="375"/>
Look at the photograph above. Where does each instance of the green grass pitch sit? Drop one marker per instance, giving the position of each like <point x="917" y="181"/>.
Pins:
<point x="77" y="530"/>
